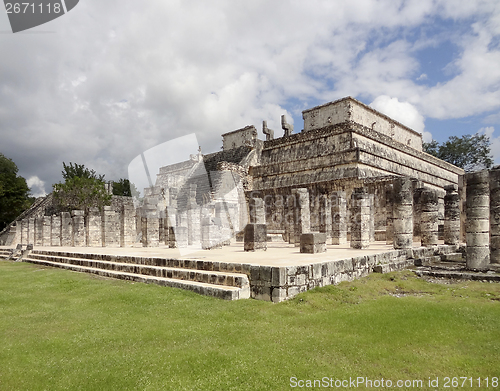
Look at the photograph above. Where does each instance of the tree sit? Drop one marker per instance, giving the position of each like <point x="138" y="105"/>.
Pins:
<point x="468" y="152"/>
<point x="14" y="192"/>
<point x="82" y="189"/>
<point x="125" y="188"/>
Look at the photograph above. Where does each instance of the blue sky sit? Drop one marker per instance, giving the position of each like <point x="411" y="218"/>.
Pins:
<point x="112" y="79"/>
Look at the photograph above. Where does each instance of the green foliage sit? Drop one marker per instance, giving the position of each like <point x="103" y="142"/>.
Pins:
<point x="80" y="171"/>
<point x="14" y="192"/>
<point x="124" y="188"/>
<point x="82" y="189"/>
<point x="468" y="152"/>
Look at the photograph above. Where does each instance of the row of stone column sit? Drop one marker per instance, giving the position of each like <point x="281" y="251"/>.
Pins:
<point x="482" y="227"/>
<point x="77" y="229"/>
<point x="400" y="214"/>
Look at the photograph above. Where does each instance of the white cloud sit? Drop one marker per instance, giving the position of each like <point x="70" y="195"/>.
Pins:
<point x="119" y="77"/>
<point x="403" y="112"/>
<point x="495" y="142"/>
<point x="37" y="186"/>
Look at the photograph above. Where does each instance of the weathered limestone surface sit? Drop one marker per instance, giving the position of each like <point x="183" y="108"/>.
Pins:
<point x="403" y="213"/>
<point x="79" y="231"/>
<point x="39" y="231"/>
<point x="110" y="227"/>
<point x="257" y="210"/>
<point x="302" y="214"/>
<point x="451" y="215"/>
<point x="339" y="218"/>
<point x="56" y="230"/>
<point x="477" y="227"/>
<point x="429" y="218"/>
<point x="389" y="208"/>
<point x="360" y="219"/>
<point x="313" y="242"/>
<point x="47" y="231"/>
<point x="495" y="215"/>
<point x="31" y="231"/>
<point x="94" y="228"/>
<point x="66" y="229"/>
<point x="255" y="237"/>
<point x="127" y="226"/>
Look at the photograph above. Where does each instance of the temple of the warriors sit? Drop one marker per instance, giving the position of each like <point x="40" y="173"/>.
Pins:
<point x="352" y="177"/>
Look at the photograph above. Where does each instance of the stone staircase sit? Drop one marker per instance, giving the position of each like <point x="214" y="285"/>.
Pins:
<point x="451" y="265"/>
<point x="202" y="277"/>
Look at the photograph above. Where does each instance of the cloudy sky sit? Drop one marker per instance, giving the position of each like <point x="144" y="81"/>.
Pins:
<point x="113" y="78"/>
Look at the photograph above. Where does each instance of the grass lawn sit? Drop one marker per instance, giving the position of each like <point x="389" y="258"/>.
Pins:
<point x="61" y="330"/>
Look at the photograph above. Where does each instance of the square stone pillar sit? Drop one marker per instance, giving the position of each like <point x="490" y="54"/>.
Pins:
<point x="257" y="210"/>
<point x="389" y="207"/>
<point x="31" y="231"/>
<point x="325" y="216"/>
<point x="39" y="231"/>
<point x="339" y="218"/>
<point x="360" y="219"/>
<point x="94" y="228"/>
<point x="313" y="243"/>
<point x="47" y="231"/>
<point x="127" y="226"/>
<point x="302" y="216"/>
<point x="66" y="229"/>
<point x="477" y="227"/>
<point x="255" y="237"/>
<point x="24" y="231"/>
<point x="150" y="231"/>
<point x="223" y="219"/>
<point x="79" y="231"/>
<point x="181" y="236"/>
<point x="371" y="200"/>
<point x="56" y="231"/>
<point x="211" y="236"/>
<point x="403" y="213"/>
<point x="110" y="227"/>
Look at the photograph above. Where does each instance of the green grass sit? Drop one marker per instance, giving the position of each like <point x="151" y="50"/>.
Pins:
<point x="68" y="331"/>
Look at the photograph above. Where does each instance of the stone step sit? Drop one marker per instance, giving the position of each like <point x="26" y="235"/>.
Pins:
<point x="4" y="254"/>
<point x="452" y="257"/>
<point x="211" y="277"/>
<point x="456" y="275"/>
<point x="393" y="266"/>
<point x="219" y="291"/>
<point x="193" y="264"/>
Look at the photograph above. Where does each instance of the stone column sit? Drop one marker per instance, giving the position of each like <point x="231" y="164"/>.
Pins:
<point x="127" y="226"/>
<point x="24" y="231"/>
<point x="257" y="210"/>
<point x="495" y="215"/>
<point x="371" y="199"/>
<point x="94" y="228"/>
<point x="255" y="237"/>
<point x="360" y="219"/>
<point x="193" y="218"/>
<point x="181" y="236"/>
<point x="303" y="215"/>
<point x="325" y="216"/>
<point x="47" y="231"/>
<point x="477" y="227"/>
<point x="451" y="215"/>
<point x="66" y="230"/>
<point x="31" y="231"/>
<point x="39" y="231"/>
<point x="429" y="218"/>
<point x="417" y="213"/>
<point x="389" y="208"/>
<point x="150" y="231"/>
<point x="290" y="210"/>
<point x="56" y="231"/>
<point x="222" y="220"/>
<point x="339" y="218"/>
<point x="403" y="213"/>
<point x="110" y="227"/>
<point x="79" y="232"/>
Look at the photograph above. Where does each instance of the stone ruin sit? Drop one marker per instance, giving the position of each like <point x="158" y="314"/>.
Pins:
<point x="352" y="175"/>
